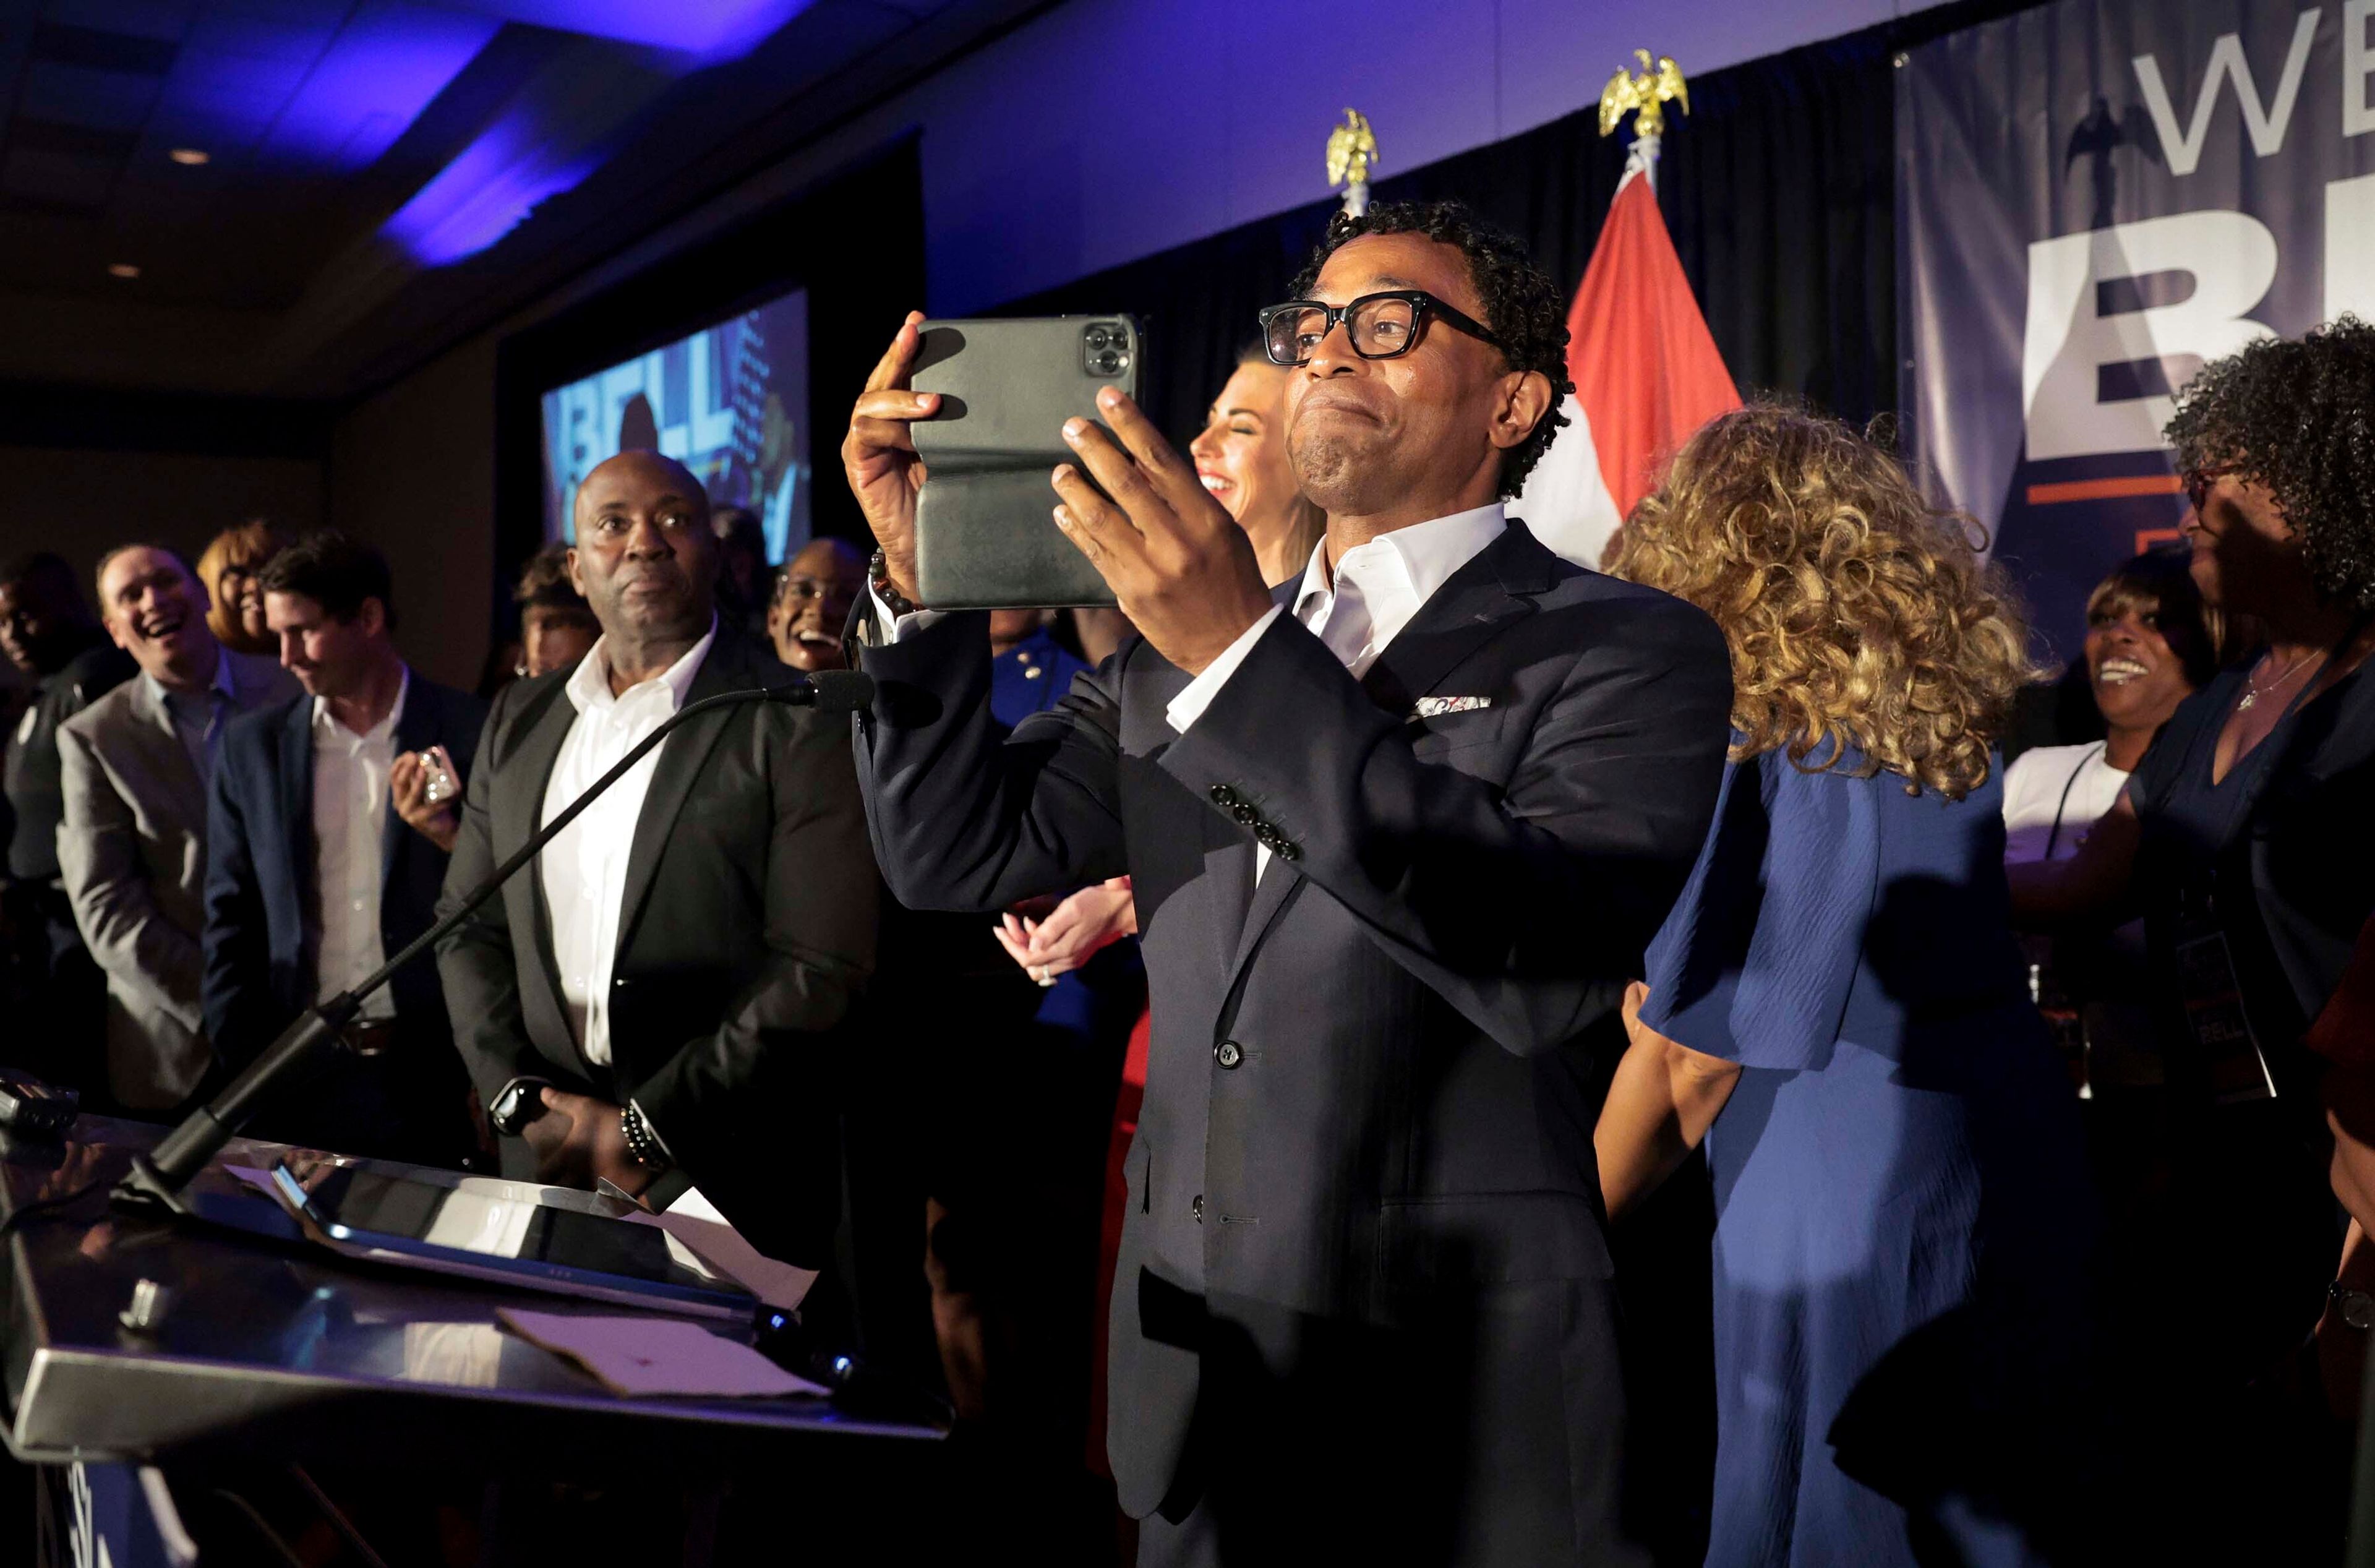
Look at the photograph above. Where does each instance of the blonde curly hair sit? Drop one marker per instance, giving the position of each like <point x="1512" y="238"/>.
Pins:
<point x="1858" y="614"/>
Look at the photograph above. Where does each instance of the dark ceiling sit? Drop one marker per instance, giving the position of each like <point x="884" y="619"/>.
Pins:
<point x="318" y="194"/>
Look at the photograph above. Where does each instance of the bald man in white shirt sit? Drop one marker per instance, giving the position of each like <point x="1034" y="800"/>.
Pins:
<point x="658" y="998"/>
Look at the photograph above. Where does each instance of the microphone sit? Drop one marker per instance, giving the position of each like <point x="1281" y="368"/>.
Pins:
<point x="157" y="1178"/>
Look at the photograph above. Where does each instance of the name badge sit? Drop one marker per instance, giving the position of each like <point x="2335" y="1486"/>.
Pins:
<point x="2231" y="1057"/>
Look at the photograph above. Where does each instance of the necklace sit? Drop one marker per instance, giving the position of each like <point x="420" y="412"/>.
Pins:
<point x="2253" y="691"/>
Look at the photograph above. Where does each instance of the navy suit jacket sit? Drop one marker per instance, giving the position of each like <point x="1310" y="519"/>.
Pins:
<point x="259" y="976"/>
<point x="1362" y="1250"/>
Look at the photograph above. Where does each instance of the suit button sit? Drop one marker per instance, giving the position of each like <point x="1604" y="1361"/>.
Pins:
<point x="1196" y="1207"/>
<point x="1228" y="1053"/>
<point x="1286" y="848"/>
<point x="1223" y="796"/>
<point x="1245" y="814"/>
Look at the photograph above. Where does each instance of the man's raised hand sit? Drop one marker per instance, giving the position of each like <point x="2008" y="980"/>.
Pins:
<point x="1183" y="570"/>
<point x="879" y="453"/>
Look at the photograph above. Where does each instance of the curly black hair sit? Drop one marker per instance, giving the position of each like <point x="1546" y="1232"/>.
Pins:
<point x="1522" y="305"/>
<point x="2297" y="417"/>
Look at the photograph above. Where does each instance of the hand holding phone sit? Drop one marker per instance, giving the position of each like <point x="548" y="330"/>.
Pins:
<point x="879" y="453"/>
<point x="439" y="787"/>
<point x="985" y="536"/>
<point x="1182" y="569"/>
<point x="427" y="794"/>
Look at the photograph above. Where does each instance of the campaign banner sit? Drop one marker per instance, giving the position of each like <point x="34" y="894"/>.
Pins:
<point x="2094" y="197"/>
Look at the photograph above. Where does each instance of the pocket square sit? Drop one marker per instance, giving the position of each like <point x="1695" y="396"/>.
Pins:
<point x="1436" y="707"/>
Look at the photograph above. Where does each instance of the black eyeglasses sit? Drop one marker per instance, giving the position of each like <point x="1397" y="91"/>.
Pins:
<point x="1380" y="327"/>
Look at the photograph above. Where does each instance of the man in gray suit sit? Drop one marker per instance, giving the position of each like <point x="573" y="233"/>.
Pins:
<point x="132" y="847"/>
<point x="1399" y="836"/>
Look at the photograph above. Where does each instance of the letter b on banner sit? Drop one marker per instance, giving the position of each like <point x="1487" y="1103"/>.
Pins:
<point x="2229" y="259"/>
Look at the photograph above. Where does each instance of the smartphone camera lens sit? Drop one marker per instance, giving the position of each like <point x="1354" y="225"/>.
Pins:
<point x="1104" y="347"/>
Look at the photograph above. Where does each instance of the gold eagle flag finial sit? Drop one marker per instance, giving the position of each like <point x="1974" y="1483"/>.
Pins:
<point x="1643" y="94"/>
<point x="1351" y="152"/>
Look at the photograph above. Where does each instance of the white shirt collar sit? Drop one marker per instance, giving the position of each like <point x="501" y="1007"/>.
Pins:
<point x="1398" y="572"/>
<point x="589" y="683"/>
<point x="380" y="733"/>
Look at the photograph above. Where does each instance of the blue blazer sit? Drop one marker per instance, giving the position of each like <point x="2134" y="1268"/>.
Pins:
<point x="260" y="870"/>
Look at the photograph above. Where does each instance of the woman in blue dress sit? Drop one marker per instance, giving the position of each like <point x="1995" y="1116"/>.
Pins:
<point x="1836" y="1009"/>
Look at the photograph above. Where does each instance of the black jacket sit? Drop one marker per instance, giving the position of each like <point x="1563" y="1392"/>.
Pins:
<point x="260" y="869"/>
<point x="747" y="929"/>
<point x="36" y="799"/>
<point x="1362" y="1261"/>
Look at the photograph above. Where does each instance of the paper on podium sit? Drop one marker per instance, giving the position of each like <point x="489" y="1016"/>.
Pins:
<point x="693" y="1221"/>
<point x="639" y="1356"/>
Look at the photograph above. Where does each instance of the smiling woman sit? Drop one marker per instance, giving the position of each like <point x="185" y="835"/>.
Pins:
<point x="1241" y="458"/>
<point x="2148" y="648"/>
<point x="2243" y="841"/>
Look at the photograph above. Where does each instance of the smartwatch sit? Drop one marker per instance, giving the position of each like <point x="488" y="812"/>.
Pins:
<point x="2356" y="1307"/>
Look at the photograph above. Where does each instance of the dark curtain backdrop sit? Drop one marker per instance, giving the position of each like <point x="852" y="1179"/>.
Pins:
<point x="1777" y="187"/>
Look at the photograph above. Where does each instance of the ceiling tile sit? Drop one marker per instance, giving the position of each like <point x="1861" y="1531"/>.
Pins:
<point x="160" y="19"/>
<point x="59" y="179"/>
<point x="97" y="49"/>
<point x="69" y="95"/>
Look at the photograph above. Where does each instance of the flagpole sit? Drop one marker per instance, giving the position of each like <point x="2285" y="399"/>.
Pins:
<point x="1641" y="157"/>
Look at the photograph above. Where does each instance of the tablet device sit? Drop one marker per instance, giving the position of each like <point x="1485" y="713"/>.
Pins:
<point x="986" y="535"/>
<point x="509" y="1232"/>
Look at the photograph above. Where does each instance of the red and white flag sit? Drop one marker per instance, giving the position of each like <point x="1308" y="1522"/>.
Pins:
<point x="1647" y="375"/>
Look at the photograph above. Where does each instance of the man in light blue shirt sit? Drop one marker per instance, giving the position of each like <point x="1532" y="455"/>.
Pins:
<point x="132" y="847"/>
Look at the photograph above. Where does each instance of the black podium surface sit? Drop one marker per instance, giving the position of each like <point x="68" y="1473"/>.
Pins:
<point x="272" y="1352"/>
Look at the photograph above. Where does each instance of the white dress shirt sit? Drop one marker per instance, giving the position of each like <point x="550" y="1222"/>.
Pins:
<point x="585" y="869"/>
<point x="350" y="807"/>
<point x="1375" y="590"/>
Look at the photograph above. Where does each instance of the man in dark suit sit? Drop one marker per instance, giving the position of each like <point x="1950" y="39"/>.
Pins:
<point x="47" y="632"/>
<point x="674" y="963"/>
<point x="1398" y="839"/>
<point x="314" y="878"/>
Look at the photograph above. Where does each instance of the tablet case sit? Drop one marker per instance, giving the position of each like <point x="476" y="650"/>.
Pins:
<point x="986" y="534"/>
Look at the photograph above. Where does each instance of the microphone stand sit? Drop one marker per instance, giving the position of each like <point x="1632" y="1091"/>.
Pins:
<point x="157" y="1178"/>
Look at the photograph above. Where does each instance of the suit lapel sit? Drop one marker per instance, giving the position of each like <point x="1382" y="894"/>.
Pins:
<point x="1245" y="912"/>
<point x="1481" y="600"/>
<point x="727" y="668"/>
<point x="519" y="810"/>
<point x="416" y="730"/>
<point x="296" y="801"/>
<point x="1279" y="883"/>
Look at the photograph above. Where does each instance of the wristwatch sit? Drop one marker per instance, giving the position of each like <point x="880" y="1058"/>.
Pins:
<point x="642" y="1142"/>
<point x="2356" y="1307"/>
<point x="877" y="577"/>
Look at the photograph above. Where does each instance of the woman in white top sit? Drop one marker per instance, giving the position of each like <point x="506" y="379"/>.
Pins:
<point x="2148" y="647"/>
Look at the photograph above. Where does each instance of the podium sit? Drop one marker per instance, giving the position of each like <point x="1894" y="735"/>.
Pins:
<point x="270" y="1353"/>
